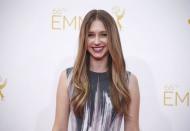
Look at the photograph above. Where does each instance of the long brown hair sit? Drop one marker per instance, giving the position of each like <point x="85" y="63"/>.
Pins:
<point x="119" y="91"/>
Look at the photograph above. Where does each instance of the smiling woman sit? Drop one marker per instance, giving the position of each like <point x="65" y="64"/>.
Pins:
<point x="97" y="41"/>
<point x="98" y="92"/>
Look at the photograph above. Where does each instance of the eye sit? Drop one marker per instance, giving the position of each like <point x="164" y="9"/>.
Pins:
<point x="90" y="34"/>
<point x="104" y="34"/>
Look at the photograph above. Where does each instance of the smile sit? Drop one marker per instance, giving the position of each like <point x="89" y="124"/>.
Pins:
<point x="98" y="49"/>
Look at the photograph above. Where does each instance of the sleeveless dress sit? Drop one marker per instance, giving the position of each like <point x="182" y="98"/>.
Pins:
<point x="99" y="114"/>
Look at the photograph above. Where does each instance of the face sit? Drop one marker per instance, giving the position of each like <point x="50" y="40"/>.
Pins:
<point x="97" y="40"/>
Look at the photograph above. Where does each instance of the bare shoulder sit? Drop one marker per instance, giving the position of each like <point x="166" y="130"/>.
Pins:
<point x="134" y="88"/>
<point x="132" y="122"/>
<point x="63" y="75"/>
<point x="133" y="82"/>
<point x="62" y="79"/>
<point x="62" y="104"/>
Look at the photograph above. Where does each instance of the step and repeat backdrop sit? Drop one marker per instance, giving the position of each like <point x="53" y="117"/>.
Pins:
<point x="39" y="39"/>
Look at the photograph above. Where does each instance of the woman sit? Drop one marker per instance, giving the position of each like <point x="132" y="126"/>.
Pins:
<point x="98" y="92"/>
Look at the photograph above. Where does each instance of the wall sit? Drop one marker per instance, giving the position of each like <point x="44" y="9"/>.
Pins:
<point x="38" y="39"/>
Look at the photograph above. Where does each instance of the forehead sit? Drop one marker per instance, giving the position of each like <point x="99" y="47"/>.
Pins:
<point x="97" y="25"/>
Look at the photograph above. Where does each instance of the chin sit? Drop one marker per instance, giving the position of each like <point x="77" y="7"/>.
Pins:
<point x="99" y="57"/>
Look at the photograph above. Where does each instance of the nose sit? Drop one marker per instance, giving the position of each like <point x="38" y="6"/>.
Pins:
<point x="97" y="40"/>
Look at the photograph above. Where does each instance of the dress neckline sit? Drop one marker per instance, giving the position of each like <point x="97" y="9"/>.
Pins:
<point x="98" y="73"/>
<point x="101" y="75"/>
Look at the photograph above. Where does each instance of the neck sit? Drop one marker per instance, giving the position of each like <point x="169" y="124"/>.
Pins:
<point x="99" y="65"/>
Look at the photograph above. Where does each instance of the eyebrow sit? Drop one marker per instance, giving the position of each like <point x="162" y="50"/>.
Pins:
<point x="98" y="32"/>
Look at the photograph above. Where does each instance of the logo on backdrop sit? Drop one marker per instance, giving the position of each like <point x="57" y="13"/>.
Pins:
<point x="119" y="14"/>
<point x="3" y="84"/>
<point x="188" y="21"/>
<point x="60" y="21"/>
<point x="175" y="96"/>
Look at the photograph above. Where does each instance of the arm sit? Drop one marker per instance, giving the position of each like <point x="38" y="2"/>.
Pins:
<point x="62" y="105"/>
<point x="132" y="123"/>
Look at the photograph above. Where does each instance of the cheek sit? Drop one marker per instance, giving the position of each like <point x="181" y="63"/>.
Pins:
<point x="89" y="47"/>
<point x="89" y="44"/>
<point x="104" y="40"/>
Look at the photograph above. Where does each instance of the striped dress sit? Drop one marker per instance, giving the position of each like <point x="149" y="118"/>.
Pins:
<point x="99" y="114"/>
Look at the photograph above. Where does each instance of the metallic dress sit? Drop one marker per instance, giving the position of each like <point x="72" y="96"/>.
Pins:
<point x="99" y="114"/>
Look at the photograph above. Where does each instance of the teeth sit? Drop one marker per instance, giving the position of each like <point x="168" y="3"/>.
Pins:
<point x="98" y="49"/>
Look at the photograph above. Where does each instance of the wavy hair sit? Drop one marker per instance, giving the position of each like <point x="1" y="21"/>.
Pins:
<point x="117" y="69"/>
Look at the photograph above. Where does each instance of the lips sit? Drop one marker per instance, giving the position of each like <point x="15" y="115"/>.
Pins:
<point x="98" y="49"/>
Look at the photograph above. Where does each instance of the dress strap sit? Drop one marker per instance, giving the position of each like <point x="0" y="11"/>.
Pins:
<point x="69" y="83"/>
<point x="128" y="76"/>
<point x="68" y="70"/>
